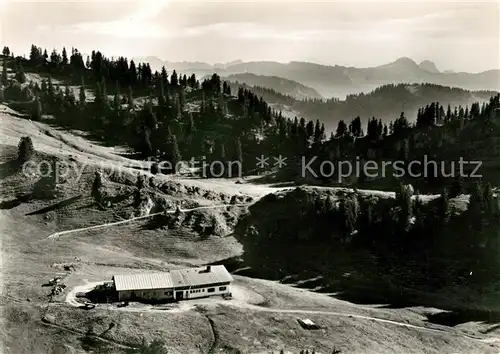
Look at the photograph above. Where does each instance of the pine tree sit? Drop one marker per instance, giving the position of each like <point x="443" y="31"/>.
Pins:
<point x="20" y="75"/>
<point x="444" y="207"/>
<point x="239" y="151"/>
<point x="155" y="168"/>
<point x="81" y="97"/>
<point x="457" y="187"/>
<point x="147" y="147"/>
<point x="178" y="108"/>
<point x="349" y="208"/>
<point x="150" y="117"/>
<point x="341" y="129"/>
<point x="173" y="153"/>
<point x="132" y="74"/>
<point x="489" y="206"/>
<point x="164" y="76"/>
<point x="96" y="187"/>
<point x="190" y="129"/>
<point x="174" y="81"/>
<point x="25" y="149"/>
<point x="477" y="208"/>
<point x="4" y="78"/>
<point x="116" y="99"/>
<point x="69" y="96"/>
<point x="37" y="110"/>
<point x="141" y="182"/>
<point x="64" y="61"/>
<point x="403" y="199"/>
<point x="130" y="98"/>
<point x="50" y="89"/>
<point x="476" y="200"/>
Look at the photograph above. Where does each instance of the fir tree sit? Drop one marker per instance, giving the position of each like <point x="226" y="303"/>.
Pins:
<point x="173" y="153"/>
<point x="96" y="188"/>
<point x="403" y="200"/>
<point x="190" y="129"/>
<point x="25" y="149"/>
<point x="141" y="182"/>
<point x="457" y="187"/>
<point x="174" y="81"/>
<point x="341" y="129"/>
<point x="81" y="97"/>
<point x="150" y="117"/>
<point x="4" y="78"/>
<point x="20" y="75"/>
<point x="69" y="96"/>
<point x="444" y="207"/>
<point x="239" y="151"/>
<point x="64" y="61"/>
<point x="116" y="99"/>
<point x="349" y="208"/>
<point x="37" y="110"/>
<point x="489" y="202"/>
<point x="130" y="98"/>
<point x="155" y="168"/>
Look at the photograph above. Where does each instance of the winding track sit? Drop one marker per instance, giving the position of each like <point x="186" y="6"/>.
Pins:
<point x="58" y="234"/>
<point x="71" y="300"/>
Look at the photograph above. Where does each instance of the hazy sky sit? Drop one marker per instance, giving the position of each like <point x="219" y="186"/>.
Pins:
<point x="457" y="36"/>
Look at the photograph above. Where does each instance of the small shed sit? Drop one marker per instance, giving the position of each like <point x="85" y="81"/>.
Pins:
<point x="307" y="323"/>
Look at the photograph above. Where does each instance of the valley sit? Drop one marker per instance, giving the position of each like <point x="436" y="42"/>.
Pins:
<point x="30" y="258"/>
<point x="111" y="168"/>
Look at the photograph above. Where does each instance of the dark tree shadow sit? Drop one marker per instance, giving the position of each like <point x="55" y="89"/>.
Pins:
<point x="453" y="318"/>
<point x="10" y="204"/>
<point x="10" y="168"/>
<point x="56" y="206"/>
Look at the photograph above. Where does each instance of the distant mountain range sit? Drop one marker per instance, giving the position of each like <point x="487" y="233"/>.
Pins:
<point x="385" y="103"/>
<point x="278" y="84"/>
<point x="339" y="81"/>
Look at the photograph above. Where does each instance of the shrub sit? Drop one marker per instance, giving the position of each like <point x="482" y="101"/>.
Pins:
<point x="37" y="109"/>
<point x="155" y="169"/>
<point x="25" y="149"/>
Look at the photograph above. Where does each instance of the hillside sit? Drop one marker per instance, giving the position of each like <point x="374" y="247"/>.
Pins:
<point x="280" y="85"/>
<point x="385" y="102"/>
<point x="100" y="201"/>
<point x="261" y="309"/>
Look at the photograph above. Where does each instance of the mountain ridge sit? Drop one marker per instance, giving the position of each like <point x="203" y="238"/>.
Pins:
<point x="340" y="81"/>
<point x="279" y="84"/>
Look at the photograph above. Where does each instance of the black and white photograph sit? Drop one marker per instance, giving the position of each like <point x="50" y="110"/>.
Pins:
<point x="249" y="177"/>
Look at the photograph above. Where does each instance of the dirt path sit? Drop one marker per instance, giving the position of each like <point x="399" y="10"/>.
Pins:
<point x="243" y="303"/>
<point x="56" y="235"/>
<point x="375" y="319"/>
<point x="215" y="336"/>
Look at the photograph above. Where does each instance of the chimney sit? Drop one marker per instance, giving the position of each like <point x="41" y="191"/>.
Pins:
<point x="208" y="269"/>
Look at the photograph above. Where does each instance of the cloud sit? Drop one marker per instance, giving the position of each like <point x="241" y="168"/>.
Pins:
<point x="333" y="32"/>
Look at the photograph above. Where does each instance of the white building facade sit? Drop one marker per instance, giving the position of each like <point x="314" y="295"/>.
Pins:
<point x="180" y="284"/>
